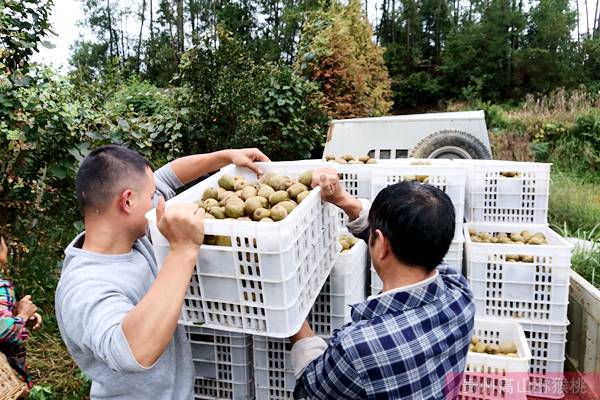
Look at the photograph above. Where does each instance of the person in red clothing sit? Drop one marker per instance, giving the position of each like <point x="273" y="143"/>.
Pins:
<point x="15" y="319"/>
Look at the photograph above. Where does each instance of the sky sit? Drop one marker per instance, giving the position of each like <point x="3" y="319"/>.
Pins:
<point x="67" y="13"/>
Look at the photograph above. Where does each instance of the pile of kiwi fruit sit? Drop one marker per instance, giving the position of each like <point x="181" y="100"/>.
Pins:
<point x="348" y="159"/>
<point x="270" y="199"/>
<point x="508" y="349"/>
<point x="347" y="242"/>
<point x="525" y="237"/>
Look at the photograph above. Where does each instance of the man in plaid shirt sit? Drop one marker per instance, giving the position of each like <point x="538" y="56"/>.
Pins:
<point x="411" y="340"/>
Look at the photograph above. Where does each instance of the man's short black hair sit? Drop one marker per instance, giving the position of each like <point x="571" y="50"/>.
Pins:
<point x="103" y="173"/>
<point x="417" y="219"/>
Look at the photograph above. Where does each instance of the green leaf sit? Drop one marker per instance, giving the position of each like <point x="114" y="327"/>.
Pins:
<point x="47" y="44"/>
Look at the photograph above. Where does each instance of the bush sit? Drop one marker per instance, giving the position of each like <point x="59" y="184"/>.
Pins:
<point x="582" y="140"/>
<point x="237" y="103"/>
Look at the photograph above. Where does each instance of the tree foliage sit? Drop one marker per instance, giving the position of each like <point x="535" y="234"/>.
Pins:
<point x="337" y="53"/>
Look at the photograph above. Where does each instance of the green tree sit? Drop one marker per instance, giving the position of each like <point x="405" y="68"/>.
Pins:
<point x="23" y="25"/>
<point x="546" y="60"/>
<point x="337" y="52"/>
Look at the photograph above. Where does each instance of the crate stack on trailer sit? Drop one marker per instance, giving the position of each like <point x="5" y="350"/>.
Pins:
<point x="248" y="297"/>
<point x="518" y="267"/>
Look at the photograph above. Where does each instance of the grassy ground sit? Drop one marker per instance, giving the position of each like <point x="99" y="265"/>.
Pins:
<point x="55" y="374"/>
<point x="575" y="202"/>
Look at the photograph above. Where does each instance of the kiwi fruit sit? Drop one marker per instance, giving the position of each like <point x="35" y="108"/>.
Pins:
<point x="266" y="220"/>
<point x="288" y="205"/>
<point x="278" y="197"/>
<point x="491" y="348"/>
<point x="234" y="209"/>
<point x="363" y="159"/>
<point x="261" y="213"/>
<point x="277" y="182"/>
<point x="516" y="237"/>
<point x="208" y="216"/>
<point x="239" y="185"/>
<point x="341" y="161"/>
<point x="210" y="193"/>
<point x="265" y="191"/>
<point x="223" y="241"/>
<point x="296" y="189"/>
<point x="266" y="178"/>
<point x="217" y="212"/>
<point x="301" y="196"/>
<point x="526" y="235"/>
<point x="252" y="204"/>
<point x="305" y="178"/>
<point x="329" y="157"/>
<point x="371" y="161"/>
<point x="527" y="259"/>
<point x="278" y="213"/>
<point x="535" y="241"/>
<point x="480" y="347"/>
<point x="226" y="182"/>
<point x="248" y="191"/>
<point x="210" y="202"/>
<point x="507" y="347"/>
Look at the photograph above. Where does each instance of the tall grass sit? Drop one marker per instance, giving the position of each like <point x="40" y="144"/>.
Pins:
<point x="574" y="201"/>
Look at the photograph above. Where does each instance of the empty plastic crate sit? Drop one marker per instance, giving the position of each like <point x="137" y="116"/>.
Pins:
<point x="443" y="174"/>
<point x="453" y="258"/>
<point x="223" y="364"/>
<point x="268" y="280"/>
<point x="507" y="191"/>
<point x="547" y="343"/>
<point x="490" y="376"/>
<point x="537" y="290"/>
<point x="345" y="286"/>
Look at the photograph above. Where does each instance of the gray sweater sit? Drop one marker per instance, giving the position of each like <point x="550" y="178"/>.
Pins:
<point x="94" y="293"/>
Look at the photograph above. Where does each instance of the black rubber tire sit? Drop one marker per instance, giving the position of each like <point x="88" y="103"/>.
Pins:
<point x="436" y="141"/>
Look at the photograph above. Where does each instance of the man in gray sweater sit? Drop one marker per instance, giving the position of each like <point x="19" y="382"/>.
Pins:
<point x="117" y="310"/>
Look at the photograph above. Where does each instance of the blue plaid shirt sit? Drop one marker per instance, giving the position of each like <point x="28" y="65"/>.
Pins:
<point x="407" y="344"/>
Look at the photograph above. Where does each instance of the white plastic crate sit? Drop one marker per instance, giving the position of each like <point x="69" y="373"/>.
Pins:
<point x="222" y="364"/>
<point x="443" y="174"/>
<point x="537" y="291"/>
<point x="268" y="280"/>
<point x="492" y="197"/>
<point x="355" y="178"/>
<point x="453" y="258"/>
<point x="345" y="286"/>
<point x="273" y="373"/>
<point x="547" y="343"/>
<point x="492" y="377"/>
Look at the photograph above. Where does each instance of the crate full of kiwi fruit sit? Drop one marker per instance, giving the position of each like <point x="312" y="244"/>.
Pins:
<point x="270" y="243"/>
<point x="518" y="271"/>
<point x="497" y="363"/>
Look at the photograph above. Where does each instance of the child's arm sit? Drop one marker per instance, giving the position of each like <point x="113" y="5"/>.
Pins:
<point x="3" y="252"/>
<point x="12" y="327"/>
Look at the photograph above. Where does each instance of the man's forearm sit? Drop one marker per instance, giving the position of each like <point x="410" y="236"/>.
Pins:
<point x="150" y="325"/>
<point x="350" y="205"/>
<point x="192" y="167"/>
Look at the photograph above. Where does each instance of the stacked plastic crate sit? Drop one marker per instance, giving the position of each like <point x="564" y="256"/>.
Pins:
<point x="273" y="374"/>
<point x="514" y="276"/>
<point x="265" y="282"/>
